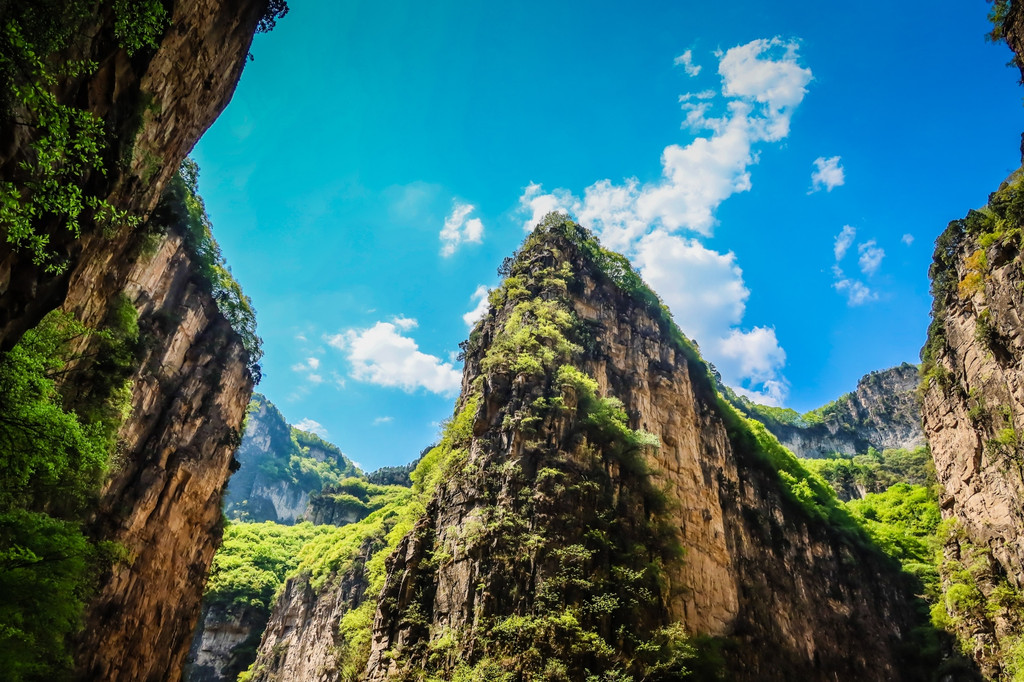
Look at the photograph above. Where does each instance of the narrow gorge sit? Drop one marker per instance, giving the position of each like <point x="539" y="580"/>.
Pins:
<point x="602" y="503"/>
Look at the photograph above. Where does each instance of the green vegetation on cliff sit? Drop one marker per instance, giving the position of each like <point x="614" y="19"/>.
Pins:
<point x="55" y="457"/>
<point x="875" y="471"/>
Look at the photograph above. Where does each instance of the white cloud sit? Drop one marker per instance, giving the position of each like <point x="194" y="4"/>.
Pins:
<point x="707" y="296"/>
<point x="405" y="323"/>
<point x="335" y="340"/>
<point x="536" y="205"/>
<point x="856" y="292"/>
<point x="871" y="256"/>
<point x="311" y="426"/>
<point x="907" y="239"/>
<point x="381" y="355"/>
<point x="703" y="288"/>
<point x="478" y="312"/>
<point x="843" y="241"/>
<point x="309" y="367"/>
<point x="459" y="228"/>
<point x="828" y="174"/>
<point x="762" y="83"/>
<point x="686" y="61"/>
<point x="382" y="420"/>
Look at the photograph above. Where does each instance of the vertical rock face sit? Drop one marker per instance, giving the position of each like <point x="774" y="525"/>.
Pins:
<point x="974" y="404"/>
<point x="561" y="533"/>
<point x="158" y="105"/>
<point x="162" y="501"/>
<point x="269" y="486"/>
<point x="882" y="413"/>
<point x="222" y="637"/>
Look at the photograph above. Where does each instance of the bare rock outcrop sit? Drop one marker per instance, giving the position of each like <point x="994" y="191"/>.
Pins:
<point x="559" y="530"/>
<point x="162" y="501"/>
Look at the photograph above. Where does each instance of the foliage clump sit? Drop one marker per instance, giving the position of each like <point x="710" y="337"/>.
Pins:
<point x="55" y="459"/>
<point x="181" y="210"/>
<point x="253" y="561"/>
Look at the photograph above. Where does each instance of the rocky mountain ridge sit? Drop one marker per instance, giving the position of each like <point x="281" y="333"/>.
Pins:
<point x="883" y="413"/>
<point x="589" y="445"/>
<point x="280" y="468"/>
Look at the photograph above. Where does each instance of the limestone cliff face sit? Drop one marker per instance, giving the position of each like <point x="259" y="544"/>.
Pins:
<point x="157" y="104"/>
<point x="268" y="485"/>
<point x="883" y="412"/>
<point x="546" y="507"/>
<point x="223" y="637"/>
<point x="302" y="640"/>
<point x="162" y="500"/>
<point x="974" y="397"/>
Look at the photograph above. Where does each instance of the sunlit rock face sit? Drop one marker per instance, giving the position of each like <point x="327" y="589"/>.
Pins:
<point x="792" y="597"/>
<point x="161" y="503"/>
<point x="882" y="413"/>
<point x="973" y="411"/>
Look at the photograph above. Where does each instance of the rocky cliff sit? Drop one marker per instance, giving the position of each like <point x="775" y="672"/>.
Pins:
<point x="280" y="468"/>
<point x="162" y="503"/>
<point x="595" y="508"/>
<point x="191" y="380"/>
<point x="974" y="406"/>
<point x="882" y="413"/>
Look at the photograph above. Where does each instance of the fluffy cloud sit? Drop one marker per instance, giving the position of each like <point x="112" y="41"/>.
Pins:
<point x="703" y="288"/>
<point x="309" y="367"/>
<point x="382" y="355"/>
<point x="827" y="174"/>
<point x="762" y="83"/>
<point x="907" y="239"/>
<point x="478" y="311"/>
<point x="869" y="260"/>
<point x="685" y="60"/>
<point x="843" y="241"/>
<point x="535" y="204"/>
<point x="459" y="228"/>
<point x="311" y="426"/>
<point x="405" y="323"/>
<point x="707" y="296"/>
<point x="856" y="292"/>
<point x="383" y="420"/>
<point x="871" y="256"/>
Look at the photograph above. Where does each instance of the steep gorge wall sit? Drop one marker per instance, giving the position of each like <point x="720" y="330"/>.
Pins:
<point x="535" y="507"/>
<point x="162" y="501"/>
<point x="974" y="411"/>
<point x="882" y="413"/>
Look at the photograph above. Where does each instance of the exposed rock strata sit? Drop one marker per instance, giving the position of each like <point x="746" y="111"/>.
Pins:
<point x="882" y="413"/>
<point x="793" y="598"/>
<point x="162" y="503"/>
<point x="221" y="641"/>
<point x="974" y="401"/>
<point x="268" y="487"/>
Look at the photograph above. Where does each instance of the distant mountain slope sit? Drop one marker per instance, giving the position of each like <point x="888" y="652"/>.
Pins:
<point x="280" y="467"/>
<point x="882" y="413"/>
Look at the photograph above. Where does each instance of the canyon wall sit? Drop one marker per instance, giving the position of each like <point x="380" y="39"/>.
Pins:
<point x="562" y="534"/>
<point x="189" y="392"/>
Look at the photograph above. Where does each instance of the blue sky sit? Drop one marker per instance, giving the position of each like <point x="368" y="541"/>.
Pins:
<point x="777" y="171"/>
